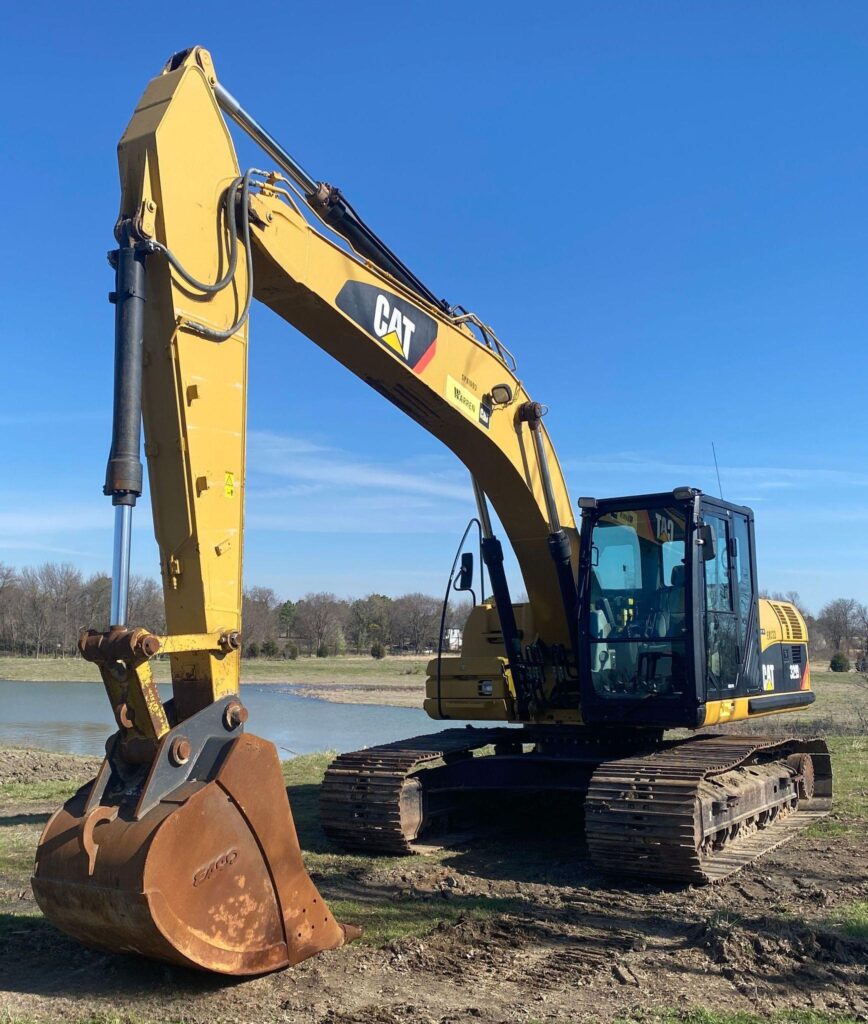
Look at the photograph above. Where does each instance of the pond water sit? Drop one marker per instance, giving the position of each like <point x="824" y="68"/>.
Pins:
<point x="75" y="718"/>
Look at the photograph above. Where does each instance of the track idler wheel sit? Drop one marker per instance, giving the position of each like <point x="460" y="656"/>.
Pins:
<point x="803" y="765"/>
<point x="210" y="876"/>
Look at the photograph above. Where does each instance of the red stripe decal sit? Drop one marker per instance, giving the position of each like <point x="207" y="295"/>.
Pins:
<point x="426" y="358"/>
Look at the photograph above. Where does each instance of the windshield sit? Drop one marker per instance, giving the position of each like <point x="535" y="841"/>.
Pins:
<point x="637" y="623"/>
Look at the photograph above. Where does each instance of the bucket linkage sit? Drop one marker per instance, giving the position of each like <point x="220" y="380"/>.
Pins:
<point x="190" y="855"/>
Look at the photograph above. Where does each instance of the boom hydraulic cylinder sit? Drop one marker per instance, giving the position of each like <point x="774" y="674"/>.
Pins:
<point x="123" y="480"/>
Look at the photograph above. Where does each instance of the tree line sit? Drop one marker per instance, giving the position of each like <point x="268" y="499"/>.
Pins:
<point x="324" y="624"/>
<point x="43" y="609"/>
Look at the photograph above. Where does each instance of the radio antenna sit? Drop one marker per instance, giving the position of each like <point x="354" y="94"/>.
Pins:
<point x="717" y="470"/>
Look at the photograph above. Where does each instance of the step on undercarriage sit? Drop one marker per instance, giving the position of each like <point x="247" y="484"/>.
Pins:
<point x="692" y="811"/>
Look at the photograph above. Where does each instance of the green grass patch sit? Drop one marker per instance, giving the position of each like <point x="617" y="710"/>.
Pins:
<point x="307" y="769"/>
<point x="852" y="919"/>
<point x="849" y="790"/>
<point x="708" y="1017"/>
<point x="17" y="848"/>
<point x="346" y="668"/>
<point x="66" y="670"/>
<point x="31" y="792"/>
<point x="386" y="920"/>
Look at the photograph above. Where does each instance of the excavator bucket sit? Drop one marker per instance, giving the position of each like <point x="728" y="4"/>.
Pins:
<point x="199" y="866"/>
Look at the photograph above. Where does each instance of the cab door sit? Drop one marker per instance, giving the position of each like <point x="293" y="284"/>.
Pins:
<point x="721" y="615"/>
<point x="746" y="601"/>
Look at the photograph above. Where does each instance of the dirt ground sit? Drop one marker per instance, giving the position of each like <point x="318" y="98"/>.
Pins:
<point x="543" y="937"/>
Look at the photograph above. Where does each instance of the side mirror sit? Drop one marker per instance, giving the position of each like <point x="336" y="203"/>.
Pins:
<point x="464" y="580"/>
<point x="706" y="537"/>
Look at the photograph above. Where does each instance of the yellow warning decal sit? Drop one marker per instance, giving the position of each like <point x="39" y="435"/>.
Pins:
<point x="229" y="485"/>
<point x="467" y="402"/>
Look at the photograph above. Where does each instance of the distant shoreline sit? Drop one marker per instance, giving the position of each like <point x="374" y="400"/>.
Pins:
<point x="396" y="682"/>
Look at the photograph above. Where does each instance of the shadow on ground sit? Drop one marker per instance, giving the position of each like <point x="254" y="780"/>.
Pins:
<point x="35" y="957"/>
<point x="24" y="819"/>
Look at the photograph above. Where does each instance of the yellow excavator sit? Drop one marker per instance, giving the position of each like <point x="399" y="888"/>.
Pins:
<point x="643" y="618"/>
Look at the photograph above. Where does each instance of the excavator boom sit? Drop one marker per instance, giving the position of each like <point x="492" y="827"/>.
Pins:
<point x="183" y="847"/>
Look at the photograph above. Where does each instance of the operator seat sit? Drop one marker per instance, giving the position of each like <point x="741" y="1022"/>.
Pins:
<point x="600" y="603"/>
<point x="667" y="615"/>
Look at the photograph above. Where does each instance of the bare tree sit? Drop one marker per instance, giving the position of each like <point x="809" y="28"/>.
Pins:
<point x="95" y="601"/>
<point x="10" y="617"/>
<point x="415" y="621"/>
<point x="260" y="615"/>
<point x="791" y="597"/>
<point x="35" y="611"/>
<point x="61" y="586"/>
<point x="8" y="578"/>
<point x="146" y="604"/>
<point x="862" y="626"/>
<point x="838" y="621"/>
<point x="318" y="621"/>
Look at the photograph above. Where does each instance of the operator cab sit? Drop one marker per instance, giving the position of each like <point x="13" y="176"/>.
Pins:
<point x="668" y="616"/>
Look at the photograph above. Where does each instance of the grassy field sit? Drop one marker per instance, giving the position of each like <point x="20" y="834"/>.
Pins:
<point x="400" y="902"/>
<point x="405" y="915"/>
<point x="510" y="892"/>
<point x="841" y="708"/>
<point x="519" y="898"/>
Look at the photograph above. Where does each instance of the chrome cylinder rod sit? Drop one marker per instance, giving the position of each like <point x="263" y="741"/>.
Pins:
<point x="229" y="105"/>
<point x="121" y="565"/>
<point x="481" y="507"/>
<point x="328" y="203"/>
<point x="546" y="478"/>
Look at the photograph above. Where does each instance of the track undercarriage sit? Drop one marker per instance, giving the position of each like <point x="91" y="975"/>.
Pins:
<point x="693" y="810"/>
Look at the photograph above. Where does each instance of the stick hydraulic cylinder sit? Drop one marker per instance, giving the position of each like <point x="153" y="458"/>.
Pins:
<point x="558" y="542"/>
<point x="327" y="201"/>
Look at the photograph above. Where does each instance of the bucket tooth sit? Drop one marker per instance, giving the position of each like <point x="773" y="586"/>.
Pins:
<point x="210" y="876"/>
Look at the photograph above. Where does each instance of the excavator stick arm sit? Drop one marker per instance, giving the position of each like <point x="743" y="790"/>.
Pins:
<point x="176" y="163"/>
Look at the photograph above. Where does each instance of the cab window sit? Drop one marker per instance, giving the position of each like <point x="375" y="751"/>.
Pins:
<point x="636" y="611"/>
<point x="718" y="594"/>
<point x="618" y="565"/>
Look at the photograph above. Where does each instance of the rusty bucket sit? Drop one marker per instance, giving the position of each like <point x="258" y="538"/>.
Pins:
<point x="205" y="873"/>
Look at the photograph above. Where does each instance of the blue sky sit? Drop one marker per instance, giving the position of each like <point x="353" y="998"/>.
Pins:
<point x="661" y="207"/>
